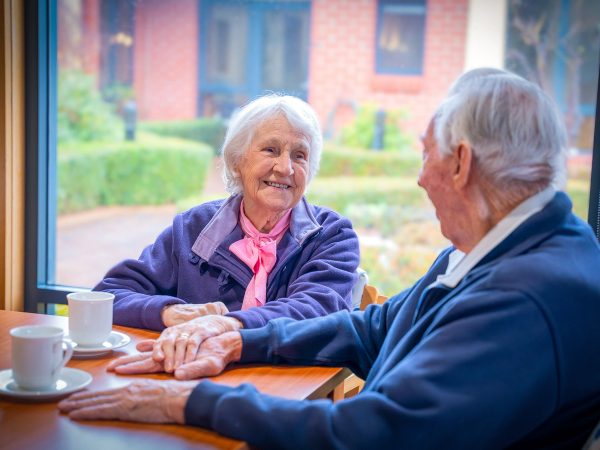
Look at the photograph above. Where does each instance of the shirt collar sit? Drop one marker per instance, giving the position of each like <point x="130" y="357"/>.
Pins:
<point x="302" y="225"/>
<point x="459" y="264"/>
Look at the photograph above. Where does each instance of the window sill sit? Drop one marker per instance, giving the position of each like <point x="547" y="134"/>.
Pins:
<point x="397" y="84"/>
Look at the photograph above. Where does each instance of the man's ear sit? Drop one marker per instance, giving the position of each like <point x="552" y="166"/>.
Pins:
<point x="464" y="162"/>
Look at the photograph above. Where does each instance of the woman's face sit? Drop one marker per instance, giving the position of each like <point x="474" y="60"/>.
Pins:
<point x="274" y="170"/>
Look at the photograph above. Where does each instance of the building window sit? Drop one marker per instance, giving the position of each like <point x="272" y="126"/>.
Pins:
<point x="400" y="37"/>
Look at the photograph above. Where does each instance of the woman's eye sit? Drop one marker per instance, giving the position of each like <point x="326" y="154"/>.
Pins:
<point x="269" y="150"/>
<point x="300" y="156"/>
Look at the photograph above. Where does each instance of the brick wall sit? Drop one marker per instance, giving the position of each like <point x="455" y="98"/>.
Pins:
<point x="341" y="69"/>
<point x="342" y="61"/>
<point x="166" y="59"/>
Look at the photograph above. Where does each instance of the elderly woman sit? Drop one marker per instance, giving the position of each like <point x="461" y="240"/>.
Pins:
<point x="263" y="253"/>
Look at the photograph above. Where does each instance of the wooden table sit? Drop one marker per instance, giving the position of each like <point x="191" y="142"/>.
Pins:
<point x="27" y="425"/>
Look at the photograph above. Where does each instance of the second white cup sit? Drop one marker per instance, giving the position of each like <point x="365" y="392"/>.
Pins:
<point x="90" y="317"/>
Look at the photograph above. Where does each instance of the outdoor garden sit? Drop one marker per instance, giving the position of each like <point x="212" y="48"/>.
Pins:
<point x="168" y="163"/>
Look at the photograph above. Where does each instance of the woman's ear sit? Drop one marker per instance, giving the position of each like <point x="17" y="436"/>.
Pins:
<point x="464" y="161"/>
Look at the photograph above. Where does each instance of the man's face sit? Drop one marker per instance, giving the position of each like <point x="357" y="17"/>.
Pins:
<point x="436" y="178"/>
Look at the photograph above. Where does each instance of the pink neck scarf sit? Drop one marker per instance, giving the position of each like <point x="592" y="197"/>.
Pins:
<point x="259" y="252"/>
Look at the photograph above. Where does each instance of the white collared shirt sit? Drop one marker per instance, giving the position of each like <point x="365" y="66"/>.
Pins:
<point x="459" y="264"/>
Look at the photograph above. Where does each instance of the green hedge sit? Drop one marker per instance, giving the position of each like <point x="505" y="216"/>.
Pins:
<point x="207" y="130"/>
<point x="339" y="193"/>
<point x="361" y="198"/>
<point x="337" y="161"/>
<point x="151" y="170"/>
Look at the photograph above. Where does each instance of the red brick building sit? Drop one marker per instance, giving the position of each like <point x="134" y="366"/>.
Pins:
<point x="188" y="58"/>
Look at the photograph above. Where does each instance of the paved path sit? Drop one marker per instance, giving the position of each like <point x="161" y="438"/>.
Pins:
<point x="91" y="242"/>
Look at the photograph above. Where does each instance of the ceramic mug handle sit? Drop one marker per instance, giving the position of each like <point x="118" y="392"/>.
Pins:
<point x="67" y="348"/>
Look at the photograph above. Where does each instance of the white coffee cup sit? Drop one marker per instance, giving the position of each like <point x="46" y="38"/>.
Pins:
<point x="39" y="352"/>
<point x="90" y="317"/>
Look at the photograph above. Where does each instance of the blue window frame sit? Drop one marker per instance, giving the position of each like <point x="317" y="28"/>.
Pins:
<point x="594" y="208"/>
<point x="400" y="37"/>
<point x="40" y="184"/>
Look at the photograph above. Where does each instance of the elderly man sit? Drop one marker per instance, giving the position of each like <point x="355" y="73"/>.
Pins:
<point x="496" y="346"/>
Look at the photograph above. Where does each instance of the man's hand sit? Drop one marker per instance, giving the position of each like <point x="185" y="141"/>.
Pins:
<point x="152" y="401"/>
<point x="180" y="313"/>
<point x="212" y="357"/>
<point x="179" y="344"/>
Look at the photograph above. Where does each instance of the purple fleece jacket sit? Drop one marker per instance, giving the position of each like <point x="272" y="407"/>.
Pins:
<point x="190" y="262"/>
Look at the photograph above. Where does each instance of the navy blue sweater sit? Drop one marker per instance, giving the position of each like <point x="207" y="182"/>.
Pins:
<point x="506" y="359"/>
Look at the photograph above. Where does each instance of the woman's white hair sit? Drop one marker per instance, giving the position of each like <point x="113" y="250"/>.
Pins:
<point x="517" y="136"/>
<point x="248" y="119"/>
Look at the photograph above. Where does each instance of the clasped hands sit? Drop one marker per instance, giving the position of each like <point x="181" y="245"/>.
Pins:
<point x="201" y="347"/>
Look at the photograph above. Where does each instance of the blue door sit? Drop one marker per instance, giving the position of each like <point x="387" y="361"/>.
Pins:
<point x="248" y="48"/>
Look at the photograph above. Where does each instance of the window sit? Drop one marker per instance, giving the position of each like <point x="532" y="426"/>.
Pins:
<point x="400" y="36"/>
<point x="127" y="100"/>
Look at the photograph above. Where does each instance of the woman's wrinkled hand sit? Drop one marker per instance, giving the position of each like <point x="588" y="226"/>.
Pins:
<point x="179" y="344"/>
<point x="180" y="313"/>
<point x="213" y="355"/>
<point x="152" y="401"/>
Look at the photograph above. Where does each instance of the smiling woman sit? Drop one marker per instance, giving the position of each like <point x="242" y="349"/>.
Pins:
<point x="263" y="253"/>
<point x="280" y="158"/>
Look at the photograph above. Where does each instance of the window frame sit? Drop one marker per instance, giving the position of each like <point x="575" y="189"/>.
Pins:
<point x="594" y="201"/>
<point x="40" y="168"/>
<point x="40" y="154"/>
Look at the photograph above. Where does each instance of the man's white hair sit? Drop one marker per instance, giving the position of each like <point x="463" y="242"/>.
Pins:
<point x="517" y="136"/>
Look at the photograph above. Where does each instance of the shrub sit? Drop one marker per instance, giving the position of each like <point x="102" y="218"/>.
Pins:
<point x="152" y="170"/>
<point x="343" y="192"/>
<point x="397" y="263"/>
<point x="579" y="191"/>
<point x="361" y="132"/>
<point x="336" y="161"/>
<point x="82" y="114"/>
<point x="210" y="131"/>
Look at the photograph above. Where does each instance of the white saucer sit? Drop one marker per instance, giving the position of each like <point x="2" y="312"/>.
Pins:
<point x="70" y="380"/>
<point x="115" y="340"/>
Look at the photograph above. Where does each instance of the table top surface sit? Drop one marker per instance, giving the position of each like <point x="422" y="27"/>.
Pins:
<point x="26" y="424"/>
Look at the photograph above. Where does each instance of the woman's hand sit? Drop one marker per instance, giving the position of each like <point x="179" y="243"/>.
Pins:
<point x="179" y="344"/>
<point x="179" y="313"/>
<point x="213" y="356"/>
<point x="153" y="401"/>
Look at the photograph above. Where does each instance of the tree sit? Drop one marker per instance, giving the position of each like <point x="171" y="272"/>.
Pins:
<point x="542" y="46"/>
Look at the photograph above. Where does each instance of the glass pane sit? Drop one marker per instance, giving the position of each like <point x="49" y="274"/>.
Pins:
<point x="126" y="79"/>
<point x="146" y="86"/>
<point x="556" y="45"/>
